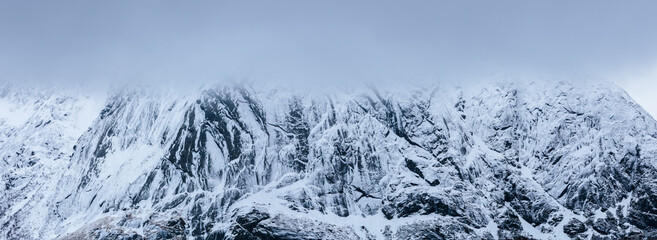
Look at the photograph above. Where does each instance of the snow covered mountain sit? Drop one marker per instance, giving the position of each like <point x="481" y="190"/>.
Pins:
<point x="508" y="160"/>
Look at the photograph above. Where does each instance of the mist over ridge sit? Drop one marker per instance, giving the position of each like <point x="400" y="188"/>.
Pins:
<point x="295" y="119"/>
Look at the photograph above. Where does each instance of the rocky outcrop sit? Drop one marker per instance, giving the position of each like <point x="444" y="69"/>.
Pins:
<point x="574" y="227"/>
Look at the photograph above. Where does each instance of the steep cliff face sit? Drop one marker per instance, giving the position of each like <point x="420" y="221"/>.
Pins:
<point x="539" y="160"/>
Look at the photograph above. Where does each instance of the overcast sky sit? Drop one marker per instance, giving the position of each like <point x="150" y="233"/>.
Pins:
<point x="330" y="40"/>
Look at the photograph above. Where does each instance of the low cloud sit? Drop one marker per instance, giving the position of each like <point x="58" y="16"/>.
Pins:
<point x="310" y="42"/>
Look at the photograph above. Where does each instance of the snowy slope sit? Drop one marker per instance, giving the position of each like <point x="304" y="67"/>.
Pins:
<point x="38" y="129"/>
<point x="539" y="160"/>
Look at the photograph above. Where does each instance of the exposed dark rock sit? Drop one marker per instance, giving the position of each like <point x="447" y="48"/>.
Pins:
<point x="643" y="210"/>
<point x="605" y="225"/>
<point x="422" y="204"/>
<point x="509" y="226"/>
<point x="574" y="227"/>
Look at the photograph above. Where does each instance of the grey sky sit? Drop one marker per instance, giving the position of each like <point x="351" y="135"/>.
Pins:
<point x="329" y="40"/>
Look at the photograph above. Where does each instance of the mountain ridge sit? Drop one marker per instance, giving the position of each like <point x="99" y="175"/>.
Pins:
<point x="538" y="160"/>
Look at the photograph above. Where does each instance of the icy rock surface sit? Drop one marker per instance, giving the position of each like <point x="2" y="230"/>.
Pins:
<point x="507" y="160"/>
